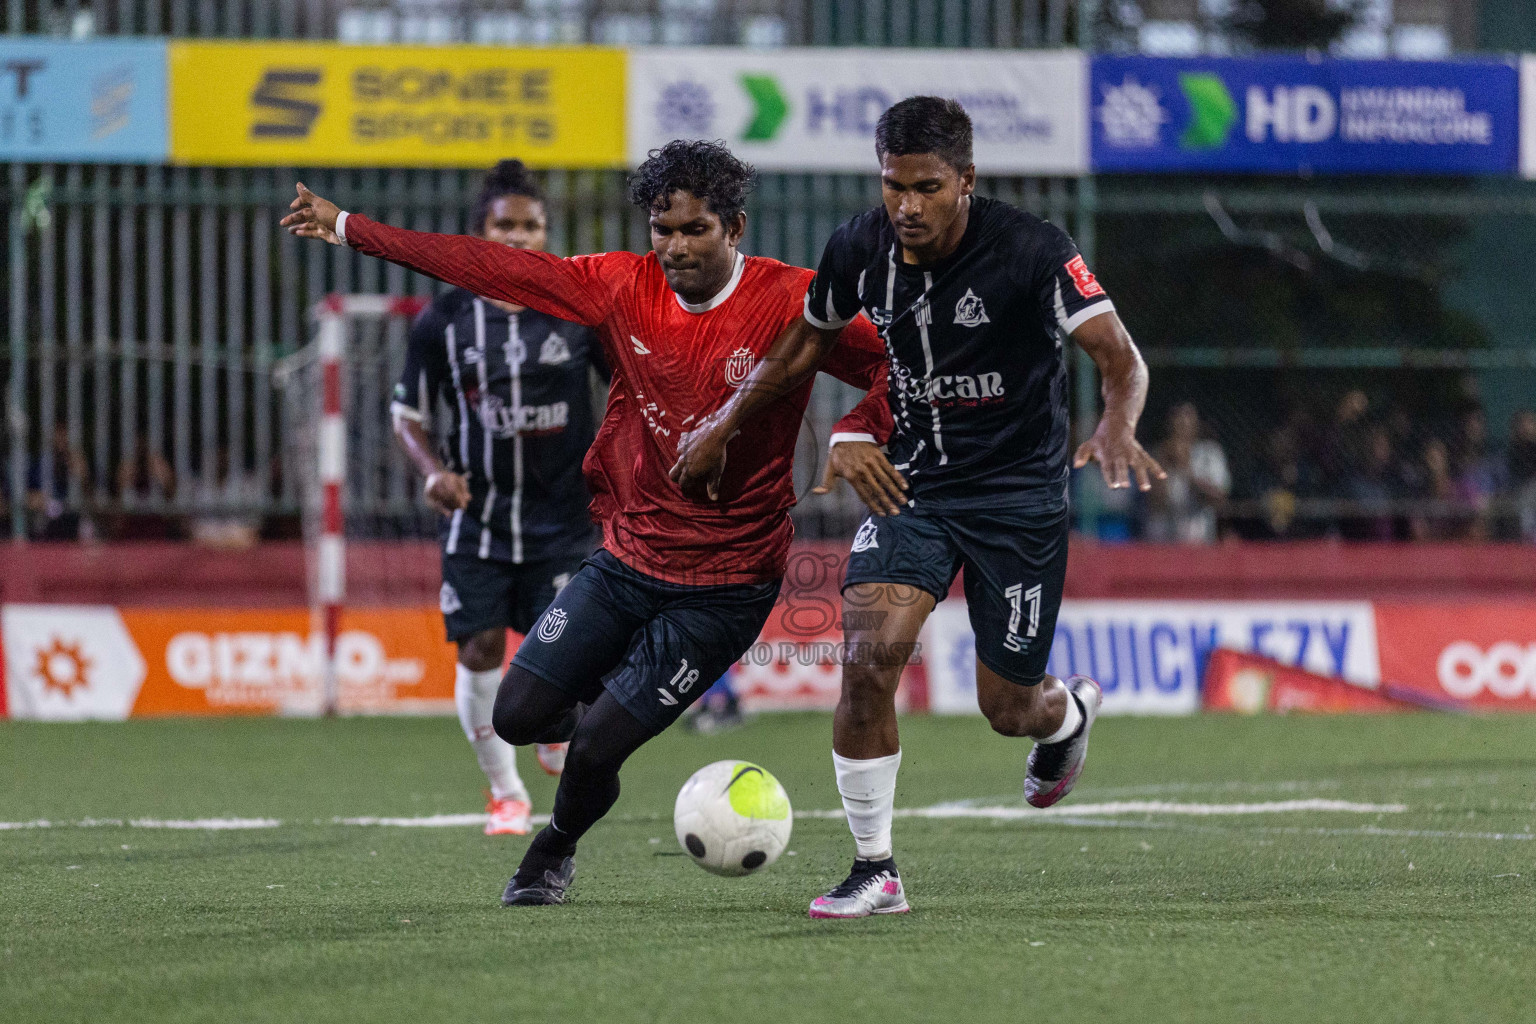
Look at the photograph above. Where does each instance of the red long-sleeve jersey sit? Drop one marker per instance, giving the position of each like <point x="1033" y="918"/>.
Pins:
<point x="673" y="364"/>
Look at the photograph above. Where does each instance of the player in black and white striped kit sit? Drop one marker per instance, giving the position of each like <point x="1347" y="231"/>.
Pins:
<point x="507" y="476"/>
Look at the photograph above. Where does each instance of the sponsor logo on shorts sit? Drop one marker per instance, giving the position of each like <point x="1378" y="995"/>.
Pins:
<point x="866" y="537"/>
<point x="448" y="599"/>
<point x="969" y="312"/>
<point x="552" y="625"/>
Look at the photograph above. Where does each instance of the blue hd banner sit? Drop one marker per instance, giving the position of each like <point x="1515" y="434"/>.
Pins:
<point x="94" y="101"/>
<point x="1289" y="115"/>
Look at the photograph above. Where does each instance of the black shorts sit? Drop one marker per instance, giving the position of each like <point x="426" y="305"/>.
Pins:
<point x="482" y="593"/>
<point x="656" y="646"/>
<point x="1015" y="567"/>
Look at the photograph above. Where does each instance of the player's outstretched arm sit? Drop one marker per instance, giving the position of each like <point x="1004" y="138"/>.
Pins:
<point x="569" y="289"/>
<point x="796" y="354"/>
<point x="1124" y="388"/>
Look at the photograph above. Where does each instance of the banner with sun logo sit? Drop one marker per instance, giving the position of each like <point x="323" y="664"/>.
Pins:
<point x="90" y="662"/>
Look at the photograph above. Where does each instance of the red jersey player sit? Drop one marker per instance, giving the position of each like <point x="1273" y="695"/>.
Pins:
<point x="679" y="589"/>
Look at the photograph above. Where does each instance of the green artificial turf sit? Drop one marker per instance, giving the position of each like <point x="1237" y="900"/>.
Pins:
<point x="1428" y="914"/>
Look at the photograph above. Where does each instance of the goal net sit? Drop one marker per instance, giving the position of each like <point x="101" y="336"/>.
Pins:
<point x="369" y="541"/>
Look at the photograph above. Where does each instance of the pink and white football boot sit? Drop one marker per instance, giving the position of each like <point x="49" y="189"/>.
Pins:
<point x="1053" y="768"/>
<point x="872" y="887"/>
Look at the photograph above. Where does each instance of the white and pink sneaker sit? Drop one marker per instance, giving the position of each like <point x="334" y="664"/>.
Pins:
<point x="1053" y="768"/>
<point x="872" y="887"/>
<point x="509" y="817"/>
<point x="551" y="756"/>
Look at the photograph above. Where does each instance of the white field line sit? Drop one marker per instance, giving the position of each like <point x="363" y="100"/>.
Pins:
<point x="940" y="811"/>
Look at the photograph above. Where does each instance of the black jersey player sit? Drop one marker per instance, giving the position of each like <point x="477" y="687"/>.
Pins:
<point x="507" y="476"/>
<point x="974" y="299"/>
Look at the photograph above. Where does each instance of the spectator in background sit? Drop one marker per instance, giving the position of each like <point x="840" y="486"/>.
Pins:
<point x="1283" y="479"/>
<point x="144" y="477"/>
<point x="1444" y="519"/>
<point x="1520" y="464"/>
<point x="1341" y="447"/>
<point x="1183" y="508"/>
<point x="1372" y="486"/>
<point x="49" y="514"/>
<point x="1480" y="473"/>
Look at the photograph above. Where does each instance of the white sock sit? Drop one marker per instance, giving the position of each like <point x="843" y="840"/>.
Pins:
<point x="474" y="694"/>
<point x="868" y="789"/>
<point x="1069" y="722"/>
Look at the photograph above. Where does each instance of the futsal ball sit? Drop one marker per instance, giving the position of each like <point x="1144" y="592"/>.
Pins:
<point x="732" y="817"/>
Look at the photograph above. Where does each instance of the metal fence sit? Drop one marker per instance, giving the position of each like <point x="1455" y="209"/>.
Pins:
<point x="970" y="23"/>
<point x="146" y="306"/>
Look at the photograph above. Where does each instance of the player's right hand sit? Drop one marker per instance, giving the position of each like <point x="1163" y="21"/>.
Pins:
<point x="447" y="492"/>
<point x="865" y="466"/>
<point x="313" y="217"/>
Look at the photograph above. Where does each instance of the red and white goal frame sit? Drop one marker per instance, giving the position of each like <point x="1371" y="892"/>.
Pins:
<point x="312" y="380"/>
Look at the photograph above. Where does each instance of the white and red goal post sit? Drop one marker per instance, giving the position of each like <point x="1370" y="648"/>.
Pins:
<point x="322" y="384"/>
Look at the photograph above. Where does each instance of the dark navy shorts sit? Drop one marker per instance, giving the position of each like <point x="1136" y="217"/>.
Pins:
<point x="656" y="646"/>
<point x="1015" y="567"/>
<point x="482" y="593"/>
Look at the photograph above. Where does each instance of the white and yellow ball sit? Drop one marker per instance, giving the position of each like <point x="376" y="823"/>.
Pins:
<point x="732" y="818"/>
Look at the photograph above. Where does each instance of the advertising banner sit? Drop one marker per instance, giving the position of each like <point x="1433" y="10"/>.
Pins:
<point x="1288" y="115"/>
<point x="72" y="663"/>
<point x="1482" y="655"/>
<point x="1149" y="656"/>
<point x="815" y="109"/>
<point x="1528" y="116"/>
<point x="79" y="102"/>
<point x="317" y="104"/>
<point x="1249" y="684"/>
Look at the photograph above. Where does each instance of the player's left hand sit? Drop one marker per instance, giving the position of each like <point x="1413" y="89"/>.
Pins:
<point x="865" y="466"/>
<point x="1120" y="456"/>
<point x="701" y="461"/>
<point x="313" y="217"/>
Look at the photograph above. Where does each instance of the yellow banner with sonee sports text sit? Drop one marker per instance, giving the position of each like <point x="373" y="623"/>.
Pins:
<point x="321" y="104"/>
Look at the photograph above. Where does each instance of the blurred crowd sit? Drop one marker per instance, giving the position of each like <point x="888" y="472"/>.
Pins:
<point x="1357" y="474"/>
<point x="144" y="500"/>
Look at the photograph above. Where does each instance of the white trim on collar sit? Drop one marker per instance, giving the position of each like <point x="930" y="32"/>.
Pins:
<point x="721" y="295"/>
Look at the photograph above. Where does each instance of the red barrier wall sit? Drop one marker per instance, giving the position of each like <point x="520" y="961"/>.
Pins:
<point x="272" y="575"/>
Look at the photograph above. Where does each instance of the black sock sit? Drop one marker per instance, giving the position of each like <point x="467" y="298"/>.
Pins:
<point x="604" y="738"/>
<point x="546" y="853"/>
<point x="1082" y="711"/>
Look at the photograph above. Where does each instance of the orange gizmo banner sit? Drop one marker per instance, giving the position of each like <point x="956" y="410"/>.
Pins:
<point x="72" y="662"/>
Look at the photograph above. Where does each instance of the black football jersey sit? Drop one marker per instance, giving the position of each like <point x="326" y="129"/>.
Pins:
<point x="978" y="377"/>
<point x="519" y="422"/>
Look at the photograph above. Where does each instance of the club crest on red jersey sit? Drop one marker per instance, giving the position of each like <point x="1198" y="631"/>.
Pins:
<point x="1087" y="285"/>
<point x="738" y="366"/>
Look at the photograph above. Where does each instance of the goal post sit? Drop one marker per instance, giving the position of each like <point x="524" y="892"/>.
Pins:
<point x="327" y="385"/>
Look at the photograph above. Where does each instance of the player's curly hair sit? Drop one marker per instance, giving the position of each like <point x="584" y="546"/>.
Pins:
<point x="926" y="124"/>
<point x="705" y="169"/>
<point x="507" y="178"/>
